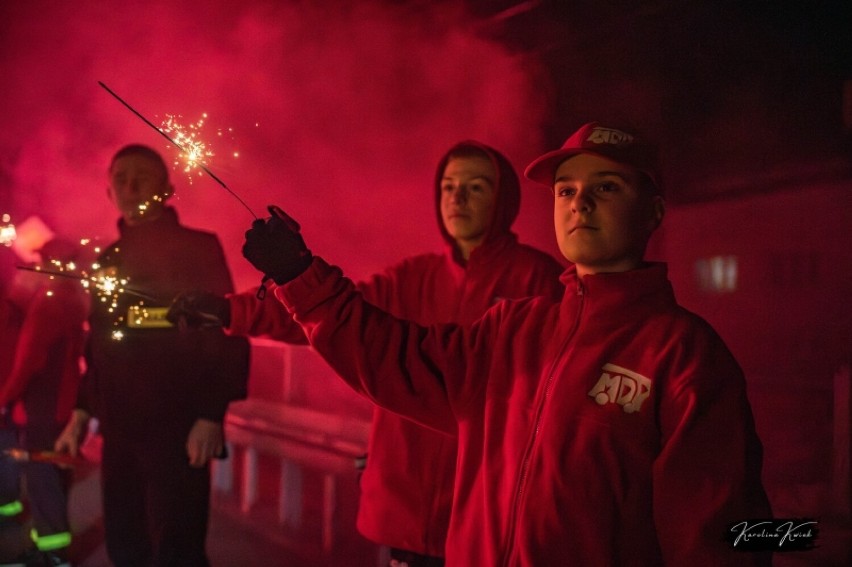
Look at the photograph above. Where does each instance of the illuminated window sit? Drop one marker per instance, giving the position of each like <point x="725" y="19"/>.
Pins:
<point x="717" y="274"/>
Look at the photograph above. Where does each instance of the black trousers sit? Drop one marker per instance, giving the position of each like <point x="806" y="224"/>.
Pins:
<point x="156" y="507"/>
<point x="46" y="488"/>
<point x="47" y="485"/>
<point x="402" y="558"/>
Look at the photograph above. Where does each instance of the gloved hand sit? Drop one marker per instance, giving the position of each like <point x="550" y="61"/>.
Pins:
<point x="199" y="309"/>
<point x="275" y="247"/>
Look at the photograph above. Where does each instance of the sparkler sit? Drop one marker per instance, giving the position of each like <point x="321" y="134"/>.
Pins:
<point x="62" y="460"/>
<point x="190" y="151"/>
<point x="109" y="287"/>
<point x="197" y="151"/>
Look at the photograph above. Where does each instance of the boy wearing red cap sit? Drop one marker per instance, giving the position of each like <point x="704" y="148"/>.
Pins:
<point x="609" y="428"/>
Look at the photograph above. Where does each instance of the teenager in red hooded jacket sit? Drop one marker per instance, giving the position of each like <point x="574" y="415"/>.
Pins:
<point x="406" y="487"/>
<point x="609" y="428"/>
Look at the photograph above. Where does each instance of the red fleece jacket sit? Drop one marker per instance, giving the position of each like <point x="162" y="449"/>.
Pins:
<point x="611" y="428"/>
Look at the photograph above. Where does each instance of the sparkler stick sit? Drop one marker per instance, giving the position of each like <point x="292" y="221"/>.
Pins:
<point x="131" y="291"/>
<point x="62" y="460"/>
<point x="177" y="145"/>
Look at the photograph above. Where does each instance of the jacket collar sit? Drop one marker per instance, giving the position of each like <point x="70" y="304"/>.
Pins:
<point x="487" y="252"/>
<point x="167" y="219"/>
<point x="648" y="284"/>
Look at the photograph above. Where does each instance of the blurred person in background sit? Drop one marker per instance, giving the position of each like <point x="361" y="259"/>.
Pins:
<point x="37" y="394"/>
<point x="12" y="537"/>
<point x="160" y="393"/>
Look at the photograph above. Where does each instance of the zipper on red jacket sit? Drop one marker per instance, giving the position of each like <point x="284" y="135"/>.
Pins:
<point x="525" y="463"/>
<point x="462" y="294"/>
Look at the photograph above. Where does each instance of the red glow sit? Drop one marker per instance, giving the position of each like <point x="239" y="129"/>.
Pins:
<point x="339" y="116"/>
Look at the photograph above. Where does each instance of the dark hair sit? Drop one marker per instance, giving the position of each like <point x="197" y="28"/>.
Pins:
<point x="144" y="151"/>
<point x="467" y="150"/>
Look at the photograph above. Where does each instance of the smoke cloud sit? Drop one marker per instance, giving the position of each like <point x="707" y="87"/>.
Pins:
<point x="339" y="112"/>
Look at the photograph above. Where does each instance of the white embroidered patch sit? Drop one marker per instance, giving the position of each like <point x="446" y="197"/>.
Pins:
<point x="609" y="136"/>
<point x="621" y="386"/>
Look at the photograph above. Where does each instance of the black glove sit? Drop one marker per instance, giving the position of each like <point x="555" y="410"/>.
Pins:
<point x="275" y="247"/>
<point x="200" y="309"/>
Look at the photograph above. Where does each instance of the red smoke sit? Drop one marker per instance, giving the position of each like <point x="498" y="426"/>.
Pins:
<point x="340" y="113"/>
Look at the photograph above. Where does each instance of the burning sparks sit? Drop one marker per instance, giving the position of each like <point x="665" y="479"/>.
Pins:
<point x="105" y="283"/>
<point x="195" y="151"/>
<point x="107" y="286"/>
<point x="145" y="205"/>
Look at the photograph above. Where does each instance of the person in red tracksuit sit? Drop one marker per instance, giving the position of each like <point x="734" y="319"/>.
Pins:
<point x="611" y="427"/>
<point x="406" y="487"/>
<point x="40" y="389"/>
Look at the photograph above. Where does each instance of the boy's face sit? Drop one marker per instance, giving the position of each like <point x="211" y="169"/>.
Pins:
<point x="139" y="187"/>
<point x="467" y="198"/>
<point x="603" y="218"/>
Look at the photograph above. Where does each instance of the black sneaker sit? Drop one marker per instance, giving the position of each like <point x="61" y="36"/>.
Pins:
<point x="50" y="559"/>
<point x="25" y="559"/>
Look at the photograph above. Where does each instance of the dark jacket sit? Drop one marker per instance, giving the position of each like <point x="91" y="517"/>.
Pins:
<point x="148" y="382"/>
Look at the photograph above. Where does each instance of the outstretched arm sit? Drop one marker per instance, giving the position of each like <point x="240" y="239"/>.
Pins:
<point x="239" y="314"/>
<point x="397" y="364"/>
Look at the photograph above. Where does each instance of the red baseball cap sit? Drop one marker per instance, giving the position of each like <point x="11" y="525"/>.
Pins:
<point x="617" y="144"/>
